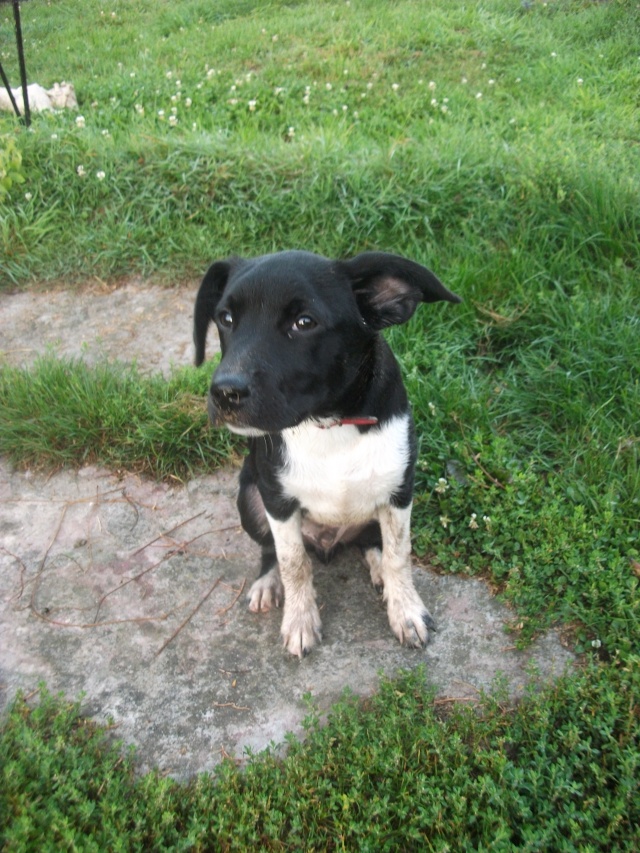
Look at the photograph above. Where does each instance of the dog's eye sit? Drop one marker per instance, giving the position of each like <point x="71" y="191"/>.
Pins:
<point x="225" y="318"/>
<point x="304" y="323"/>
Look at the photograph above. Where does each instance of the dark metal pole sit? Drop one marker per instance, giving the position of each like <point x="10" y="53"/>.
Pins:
<point x="7" y="86"/>
<point x="23" y="68"/>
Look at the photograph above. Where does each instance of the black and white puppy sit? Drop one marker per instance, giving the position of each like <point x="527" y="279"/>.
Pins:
<point x="307" y="377"/>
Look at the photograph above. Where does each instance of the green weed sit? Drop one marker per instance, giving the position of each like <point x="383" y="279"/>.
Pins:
<point x="244" y="128"/>
<point x="559" y="771"/>
<point x="66" y="413"/>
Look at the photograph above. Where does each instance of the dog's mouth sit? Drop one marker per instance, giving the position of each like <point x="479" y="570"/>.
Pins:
<point x="241" y="420"/>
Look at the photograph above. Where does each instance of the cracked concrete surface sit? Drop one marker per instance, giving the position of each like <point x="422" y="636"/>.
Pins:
<point x="132" y="591"/>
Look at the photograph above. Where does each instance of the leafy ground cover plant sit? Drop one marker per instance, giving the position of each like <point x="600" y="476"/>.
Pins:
<point x="560" y="771"/>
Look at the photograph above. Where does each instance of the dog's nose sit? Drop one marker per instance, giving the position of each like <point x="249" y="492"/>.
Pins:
<point x="229" y="390"/>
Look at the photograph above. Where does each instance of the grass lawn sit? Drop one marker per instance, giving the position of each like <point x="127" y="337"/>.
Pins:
<point x="496" y="142"/>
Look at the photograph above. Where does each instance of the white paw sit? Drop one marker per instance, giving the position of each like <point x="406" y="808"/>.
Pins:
<point x="266" y="592"/>
<point x="409" y="619"/>
<point x="373" y="557"/>
<point x="301" y="629"/>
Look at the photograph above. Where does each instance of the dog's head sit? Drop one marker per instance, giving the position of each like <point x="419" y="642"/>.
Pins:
<point x="297" y="330"/>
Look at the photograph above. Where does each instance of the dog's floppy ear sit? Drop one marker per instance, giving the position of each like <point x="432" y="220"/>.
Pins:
<point x="389" y="288"/>
<point x="209" y="294"/>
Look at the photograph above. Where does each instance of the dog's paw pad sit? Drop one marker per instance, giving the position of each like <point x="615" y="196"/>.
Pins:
<point x="414" y="635"/>
<point x="302" y="631"/>
<point x="266" y="592"/>
<point x="411" y="623"/>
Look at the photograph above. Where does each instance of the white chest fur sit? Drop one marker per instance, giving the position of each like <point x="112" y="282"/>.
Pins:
<point x="341" y="476"/>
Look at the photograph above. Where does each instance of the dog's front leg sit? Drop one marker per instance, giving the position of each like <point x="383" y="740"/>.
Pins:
<point x="301" y="625"/>
<point x="409" y="618"/>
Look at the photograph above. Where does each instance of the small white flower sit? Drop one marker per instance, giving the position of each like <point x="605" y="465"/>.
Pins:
<point x="305" y="99"/>
<point x="278" y="90"/>
<point x="173" y="120"/>
<point x="395" y="86"/>
<point x="344" y="108"/>
<point x="444" y="108"/>
<point x="553" y="53"/>
<point x="160" y="114"/>
<point x="274" y="38"/>
<point x="580" y="81"/>
<point x="80" y="121"/>
<point x="105" y="133"/>
<point x="432" y="408"/>
<point x="478" y="95"/>
<point x="434" y="102"/>
<point x="432" y="85"/>
<point x="188" y="102"/>
<point x="291" y="132"/>
<point x="473" y="524"/>
<point x="518" y="79"/>
<point x="464" y="81"/>
<point x="252" y="106"/>
<point x="169" y="75"/>
<point x="81" y="171"/>
<point x="445" y="521"/>
<point x="328" y="87"/>
<point x="28" y="196"/>
<point x="487" y="521"/>
<point x="100" y="176"/>
<point x="233" y="102"/>
<point x="442" y="486"/>
<point x="54" y="136"/>
<point x="139" y="109"/>
<point x="596" y="644"/>
<point x="211" y="73"/>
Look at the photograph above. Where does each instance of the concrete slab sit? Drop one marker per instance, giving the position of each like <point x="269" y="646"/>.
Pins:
<point x="133" y="593"/>
<point x="148" y="324"/>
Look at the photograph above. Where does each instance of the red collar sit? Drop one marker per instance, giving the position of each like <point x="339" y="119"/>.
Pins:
<point x="362" y="421"/>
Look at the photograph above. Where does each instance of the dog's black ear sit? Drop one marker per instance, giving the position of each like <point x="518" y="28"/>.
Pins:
<point x="389" y="288"/>
<point x="207" y="300"/>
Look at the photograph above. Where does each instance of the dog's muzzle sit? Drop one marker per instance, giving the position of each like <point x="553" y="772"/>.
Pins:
<point x="227" y="395"/>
